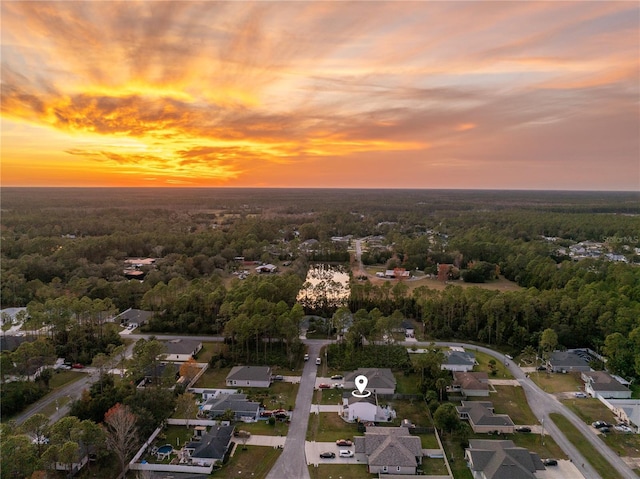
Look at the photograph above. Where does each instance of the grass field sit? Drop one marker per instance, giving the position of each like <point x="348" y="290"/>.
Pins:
<point x="255" y="462"/>
<point x="340" y="471"/>
<point x="534" y="443"/>
<point x="328" y="426"/>
<point x="209" y="349"/>
<point x="263" y="428"/>
<point x="590" y="453"/>
<point x="557" y="382"/>
<point x="62" y="378"/>
<point x="329" y="396"/>
<point x="590" y="410"/>
<point x="455" y="453"/>
<point x="213" y="378"/>
<point x="415" y="411"/>
<point x="512" y="401"/>
<point x="483" y="365"/>
<point x="407" y="383"/>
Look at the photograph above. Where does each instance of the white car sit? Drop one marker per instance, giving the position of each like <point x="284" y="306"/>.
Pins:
<point x="346" y="453"/>
<point x="581" y="395"/>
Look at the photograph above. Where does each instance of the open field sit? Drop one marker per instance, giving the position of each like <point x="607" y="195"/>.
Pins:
<point x="255" y="462"/>
<point x="330" y="396"/>
<point x="337" y="471"/>
<point x="483" y="365"/>
<point x="263" y="428"/>
<point x="62" y="378"/>
<point x="415" y="411"/>
<point x="557" y="382"/>
<point x="590" y="410"/>
<point x="329" y="427"/>
<point x="598" y="462"/>
<point x="512" y="401"/>
<point x="407" y="383"/>
<point x="208" y="350"/>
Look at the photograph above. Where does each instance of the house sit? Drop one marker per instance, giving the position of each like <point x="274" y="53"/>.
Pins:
<point x="250" y="376"/>
<point x="380" y="380"/>
<point x="242" y="408"/>
<point x="390" y="450"/>
<point x="457" y="359"/>
<point x="568" y="361"/>
<point x="482" y="418"/>
<point x="490" y="459"/>
<point x="135" y="317"/>
<point x="470" y="383"/>
<point x="365" y="409"/>
<point x="266" y="268"/>
<point x="627" y="410"/>
<point x="161" y="370"/>
<point x="182" y="349"/>
<point x="407" y="328"/>
<point x="602" y="384"/>
<point x="211" y="447"/>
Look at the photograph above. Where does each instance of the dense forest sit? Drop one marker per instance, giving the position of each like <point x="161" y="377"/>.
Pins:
<point x="63" y="253"/>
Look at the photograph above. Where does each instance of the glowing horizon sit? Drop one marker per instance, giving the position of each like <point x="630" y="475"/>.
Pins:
<point x="482" y="95"/>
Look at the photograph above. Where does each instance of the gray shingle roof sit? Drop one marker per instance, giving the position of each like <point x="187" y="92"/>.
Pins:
<point x="459" y="357"/>
<point x="182" y="346"/>
<point x="566" y="359"/>
<point x="378" y="377"/>
<point x="213" y="445"/>
<point x="503" y="459"/>
<point x="389" y="446"/>
<point x="481" y="414"/>
<point x="603" y="381"/>
<point x="249" y="373"/>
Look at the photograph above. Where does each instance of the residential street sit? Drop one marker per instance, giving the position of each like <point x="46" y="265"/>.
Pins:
<point x="292" y="462"/>
<point x="542" y="404"/>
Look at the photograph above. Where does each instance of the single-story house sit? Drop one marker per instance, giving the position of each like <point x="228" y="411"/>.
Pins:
<point x="162" y="370"/>
<point x="267" y="268"/>
<point x="458" y="360"/>
<point x="238" y="403"/>
<point x="250" y="376"/>
<point x="470" y="384"/>
<point x="182" y="349"/>
<point x="482" y="418"/>
<point x="602" y="384"/>
<point x="567" y="361"/>
<point x="627" y="410"/>
<point x="490" y="459"/>
<point x="407" y="328"/>
<point x="136" y="317"/>
<point x="365" y="409"/>
<point x="390" y="450"/>
<point x="211" y="447"/>
<point x="380" y="380"/>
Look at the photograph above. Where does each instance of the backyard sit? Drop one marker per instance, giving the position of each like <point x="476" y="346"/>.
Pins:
<point x="254" y="462"/>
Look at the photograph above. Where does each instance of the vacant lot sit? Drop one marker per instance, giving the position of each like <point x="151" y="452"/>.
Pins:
<point x="415" y="411"/>
<point x="557" y="382"/>
<point x="329" y="396"/>
<point x="279" y="395"/>
<point x="213" y="378"/>
<point x="512" y="401"/>
<point x="263" y="428"/>
<point x="483" y="365"/>
<point x="590" y="410"/>
<point x="255" y="462"/>
<point x="336" y="471"/>
<point x="328" y="426"/>
<point x="209" y="349"/>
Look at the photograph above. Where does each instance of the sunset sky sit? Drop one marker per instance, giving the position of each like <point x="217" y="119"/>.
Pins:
<point x="508" y="95"/>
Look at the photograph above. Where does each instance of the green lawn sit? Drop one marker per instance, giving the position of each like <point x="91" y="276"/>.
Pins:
<point x="557" y="382"/>
<point x="455" y="453"/>
<point x="435" y="467"/>
<point x="534" y="443"/>
<point x="255" y="462"/>
<point x="590" y="410"/>
<point x="483" y="365"/>
<point x="590" y="453"/>
<point x="330" y="396"/>
<point x="208" y="350"/>
<point x="213" y="378"/>
<point x="263" y="428"/>
<point x="415" y="411"/>
<point x="62" y="378"/>
<point x="278" y="395"/>
<point x="340" y="471"/>
<point x="512" y="401"/>
<point x="328" y="426"/>
<point x="407" y="383"/>
<point x="51" y="407"/>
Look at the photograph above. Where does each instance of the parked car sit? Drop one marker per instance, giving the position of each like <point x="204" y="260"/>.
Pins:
<point x="508" y="356"/>
<point x="337" y="376"/>
<point x="327" y="455"/>
<point x="344" y="442"/>
<point x="523" y="429"/>
<point x="324" y="386"/>
<point x="550" y="462"/>
<point x="318" y="361"/>
<point x="278" y="378"/>
<point x="306" y="357"/>
<point x="77" y="366"/>
<point x="580" y="395"/>
<point x="622" y="428"/>
<point x="600" y="424"/>
<point x="346" y="453"/>
<point x="542" y="368"/>
<point x="266" y="413"/>
<point x="605" y="430"/>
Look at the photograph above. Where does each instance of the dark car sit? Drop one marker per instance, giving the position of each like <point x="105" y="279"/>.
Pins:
<point x="337" y="376"/>
<point x="605" y="430"/>
<point x="328" y="455"/>
<point x="542" y="368"/>
<point x="601" y="424"/>
<point x="550" y="462"/>
<point x="523" y="429"/>
<point x="344" y="442"/>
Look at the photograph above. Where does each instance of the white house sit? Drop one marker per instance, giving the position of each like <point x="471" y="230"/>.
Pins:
<point x="249" y="376"/>
<point x="601" y="384"/>
<point x="365" y="409"/>
<point x="181" y="350"/>
<point x="458" y="360"/>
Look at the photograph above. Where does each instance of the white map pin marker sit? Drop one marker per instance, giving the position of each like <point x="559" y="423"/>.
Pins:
<point x="361" y="383"/>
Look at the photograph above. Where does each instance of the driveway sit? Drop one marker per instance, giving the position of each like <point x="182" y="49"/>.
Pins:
<point x="314" y="449"/>
<point x="292" y="462"/>
<point x="317" y="408"/>
<point x="259" y="440"/>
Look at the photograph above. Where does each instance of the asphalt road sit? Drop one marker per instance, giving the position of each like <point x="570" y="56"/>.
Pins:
<point x="292" y="462"/>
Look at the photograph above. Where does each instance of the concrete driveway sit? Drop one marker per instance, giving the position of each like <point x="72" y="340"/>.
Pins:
<point x="564" y="470"/>
<point x="314" y="449"/>
<point x="260" y="440"/>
